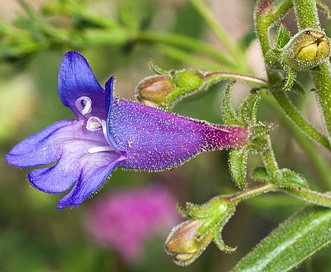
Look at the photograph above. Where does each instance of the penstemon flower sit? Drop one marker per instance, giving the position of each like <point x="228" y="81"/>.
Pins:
<point x="110" y="133"/>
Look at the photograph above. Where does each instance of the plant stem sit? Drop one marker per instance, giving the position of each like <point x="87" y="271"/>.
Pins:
<point x="307" y="17"/>
<point x="306" y="14"/>
<point x="243" y="195"/>
<point x="292" y="113"/>
<point x="307" y="195"/>
<point x="322" y="165"/>
<point x="217" y="76"/>
<point x="266" y="15"/>
<point x="310" y="196"/>
<point x="222" y="35"/>
<point x="186" y="57"/>
<point x="186" y="42"/>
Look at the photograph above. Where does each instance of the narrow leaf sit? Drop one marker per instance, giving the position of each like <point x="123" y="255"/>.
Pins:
<point x="298" y="238"/>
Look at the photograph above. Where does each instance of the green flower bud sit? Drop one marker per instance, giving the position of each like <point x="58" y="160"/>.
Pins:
<point x="166" y="90"/>
<point x="153" y="90"/>
<point x="188" y="80"/>
<point x="185" y="243"/>
<point x="189" y="239"/>
<point x="306" y="50"/>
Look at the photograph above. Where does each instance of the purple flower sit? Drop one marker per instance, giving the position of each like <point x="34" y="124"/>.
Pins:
<point x="109" y="133"/>
<point x="125" y="220"/>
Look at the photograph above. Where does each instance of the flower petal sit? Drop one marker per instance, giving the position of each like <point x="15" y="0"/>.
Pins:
<point x="39" y="149"/>
<point x="68" y="145"/>
<point x="75" y="80"/>
<point x="90" y="180"/>
<point x="155" y="139"/>
<point x="109" y="110"/>
<point x="75" y="160"/>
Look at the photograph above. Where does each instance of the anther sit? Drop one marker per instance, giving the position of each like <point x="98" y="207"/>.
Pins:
<point x="94" y="123"/>
<point x="84" y="105"/>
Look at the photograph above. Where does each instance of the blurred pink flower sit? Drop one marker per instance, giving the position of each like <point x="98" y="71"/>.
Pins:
<point x="126" y="219"/>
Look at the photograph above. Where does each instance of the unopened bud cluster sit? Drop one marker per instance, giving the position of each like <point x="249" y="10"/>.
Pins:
<point x="189" y="239"/>
<point x="306" y="50"/>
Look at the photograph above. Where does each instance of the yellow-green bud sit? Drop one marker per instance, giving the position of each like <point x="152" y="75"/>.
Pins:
<point x="153" y="90"/>
<point x="188" y="80"/>
<point x="306" y="50"/>
<point x="184" y="244"/>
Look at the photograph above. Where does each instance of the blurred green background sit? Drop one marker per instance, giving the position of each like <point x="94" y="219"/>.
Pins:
<point x="34" y="236"/>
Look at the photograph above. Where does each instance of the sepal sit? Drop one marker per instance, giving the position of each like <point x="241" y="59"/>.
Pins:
<point x="230" y="116"/>
<point x="261" y="174"/>
<point x="283" y="37"/>
<point x="189" y="239"/>
<point x="286" y="178"/>
<point x="248" y="108"/>
<point x="238" y="165"/>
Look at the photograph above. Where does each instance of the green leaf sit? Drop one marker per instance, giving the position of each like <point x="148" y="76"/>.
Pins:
<point x="298" y="238"/>
<point x="237" y="165"/>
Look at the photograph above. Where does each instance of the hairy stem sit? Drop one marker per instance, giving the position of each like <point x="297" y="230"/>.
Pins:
<point x="307" y="17"/>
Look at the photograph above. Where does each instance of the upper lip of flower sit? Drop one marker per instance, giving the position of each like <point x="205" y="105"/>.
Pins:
<point x="110" y="133"/>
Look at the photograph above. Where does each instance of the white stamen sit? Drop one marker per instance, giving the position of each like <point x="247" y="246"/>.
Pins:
<point x="94" y="123"/>
<point x="104" y="130"/>
<point x="84" y="105"/>
<point x="97" y="149"/>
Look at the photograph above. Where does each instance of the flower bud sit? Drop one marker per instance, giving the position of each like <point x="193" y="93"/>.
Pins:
<point x="153" y="90"/>
<point x="189" y="239"/>
<point x="188" y="80"/>
<point x="167" y="89"/>
<point x="185" y="243"/>
<point x="306" y="50"/>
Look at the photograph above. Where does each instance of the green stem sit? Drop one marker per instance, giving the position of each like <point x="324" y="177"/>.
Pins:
<point x="187" y="58"/>
<point x="293" y="114"/>
<point x="310" y="196"/>
<point x="220" y="32"/>
<point x="306" y="14"/>
<point x="307" y="195"/>
<point x="322" y="165"/>
<point x="307" y="17"/>
<point x="120" y="36"/>
<point x="266" y="14"/>
<point x="218" y="76"/>
<point x="243" y="195"/>
<point x="186" y="42"/>
<point x="322" y="80"/>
